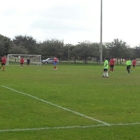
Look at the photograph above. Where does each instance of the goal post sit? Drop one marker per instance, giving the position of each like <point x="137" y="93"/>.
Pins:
<point x="15" y="59"/>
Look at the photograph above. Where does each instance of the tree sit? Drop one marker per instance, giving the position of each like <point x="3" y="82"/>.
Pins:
<point x="18" y="50"/>
<point x="5" y="45"/>
<point x="67" y="52"/>
<point x="84" y="50"/>
<point x="26" y="43"/>
<point x="136" y="52"/>
<point x="119" y="49"/>
<point x="51" y="48"/>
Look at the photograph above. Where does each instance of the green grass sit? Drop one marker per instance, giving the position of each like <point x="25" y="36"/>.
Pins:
<point x="39" y="103"/>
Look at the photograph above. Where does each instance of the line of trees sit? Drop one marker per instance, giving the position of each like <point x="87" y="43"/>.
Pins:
<point x="83" y="50"/>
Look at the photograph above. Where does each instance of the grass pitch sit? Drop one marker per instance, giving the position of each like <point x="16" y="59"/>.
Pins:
<point x="72" y="103"/>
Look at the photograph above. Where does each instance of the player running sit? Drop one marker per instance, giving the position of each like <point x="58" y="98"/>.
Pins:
<point x="128" y="65"/>
<point x="55" y="61"/>
<point x="21" y="62"/>
<point x="3" y="62"/>
<point x="134" y="63"/>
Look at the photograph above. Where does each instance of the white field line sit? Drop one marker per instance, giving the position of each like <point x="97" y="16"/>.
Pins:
<point x="67" y="127"/>
<point x="77" y="113"/>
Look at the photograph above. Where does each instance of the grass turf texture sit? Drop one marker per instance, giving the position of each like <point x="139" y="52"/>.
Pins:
<point x="79" y="88"/>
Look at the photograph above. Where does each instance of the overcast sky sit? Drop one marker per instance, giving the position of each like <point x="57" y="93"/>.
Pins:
<point x="72" y="21"/>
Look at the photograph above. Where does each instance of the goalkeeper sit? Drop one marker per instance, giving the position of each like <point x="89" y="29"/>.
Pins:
<point x="128" y="65"/>
<point x="105" y="70"/>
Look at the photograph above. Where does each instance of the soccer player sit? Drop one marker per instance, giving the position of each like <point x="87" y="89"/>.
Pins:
<point x="128" y="65"/>
<point x="3" y="62"/>
<point x="105" y="70"/>
<point x="134" y="63"/>
<point x="112" y="63"/>
<point x="28" y="62"/>
<point x="55" y="60"/>
<point x="21" y="62"/>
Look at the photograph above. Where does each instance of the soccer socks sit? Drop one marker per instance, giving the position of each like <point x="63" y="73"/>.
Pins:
<point x="2" y="68"/>
<point x="105" y="74"/>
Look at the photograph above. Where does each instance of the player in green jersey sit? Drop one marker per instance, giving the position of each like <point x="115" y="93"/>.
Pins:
<point x="105" y="70"/>
<point x="128" y="65"/>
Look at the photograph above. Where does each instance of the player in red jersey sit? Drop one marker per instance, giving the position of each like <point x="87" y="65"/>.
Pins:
<point x="55" y="60"/>
<point x="134" y="63"/>
<point x="112" y="63"/>
<point x="3" y="62"/>
<point x="21" y="62"/>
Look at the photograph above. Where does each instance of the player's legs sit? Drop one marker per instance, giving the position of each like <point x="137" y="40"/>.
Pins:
<point x="21" y="64"/>
<point x="3" y="66"/>
<point x="55" y="63"/>
<point x="105" y="73"/>
<point x="112" y="68"/>
<point x="133" y="66"/>
<point x="128" y="69"/>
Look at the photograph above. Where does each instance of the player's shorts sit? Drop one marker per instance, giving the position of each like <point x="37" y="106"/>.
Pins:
<point x="54" y="63"/>
<point x="105" y="70"/>
<point x="112" y="66"/>
<point x="2" y="64"/>
<point x="128" y="67"/>
<point x="134" y="66"/>
<point x="21" y="63"/>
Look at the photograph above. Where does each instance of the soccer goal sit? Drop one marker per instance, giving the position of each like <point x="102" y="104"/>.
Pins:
<point x="15" y="59"/>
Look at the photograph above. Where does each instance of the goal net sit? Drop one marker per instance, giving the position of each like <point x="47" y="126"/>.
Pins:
<point x="15" y="59"/>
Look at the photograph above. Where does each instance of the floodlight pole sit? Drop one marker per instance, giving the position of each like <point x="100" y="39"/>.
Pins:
<point x="68" y="54"/>
<point x="100" y="46"/>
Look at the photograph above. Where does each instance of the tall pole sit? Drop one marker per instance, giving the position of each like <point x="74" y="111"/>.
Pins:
<point x="100" y="47"/>
<point x="68" y="54"/>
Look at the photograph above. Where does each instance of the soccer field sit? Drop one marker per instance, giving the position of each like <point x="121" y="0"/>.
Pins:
<point x="72" y="103"/>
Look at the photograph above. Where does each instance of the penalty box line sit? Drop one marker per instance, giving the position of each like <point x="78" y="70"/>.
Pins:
<point x="66" y="109"/>
<point x="67" y="127"/>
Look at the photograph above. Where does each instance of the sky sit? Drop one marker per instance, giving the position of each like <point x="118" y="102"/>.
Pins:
<point x="71" y="21"/>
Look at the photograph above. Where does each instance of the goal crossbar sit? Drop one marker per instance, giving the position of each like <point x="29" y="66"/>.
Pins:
<point x="15" y="58"/>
